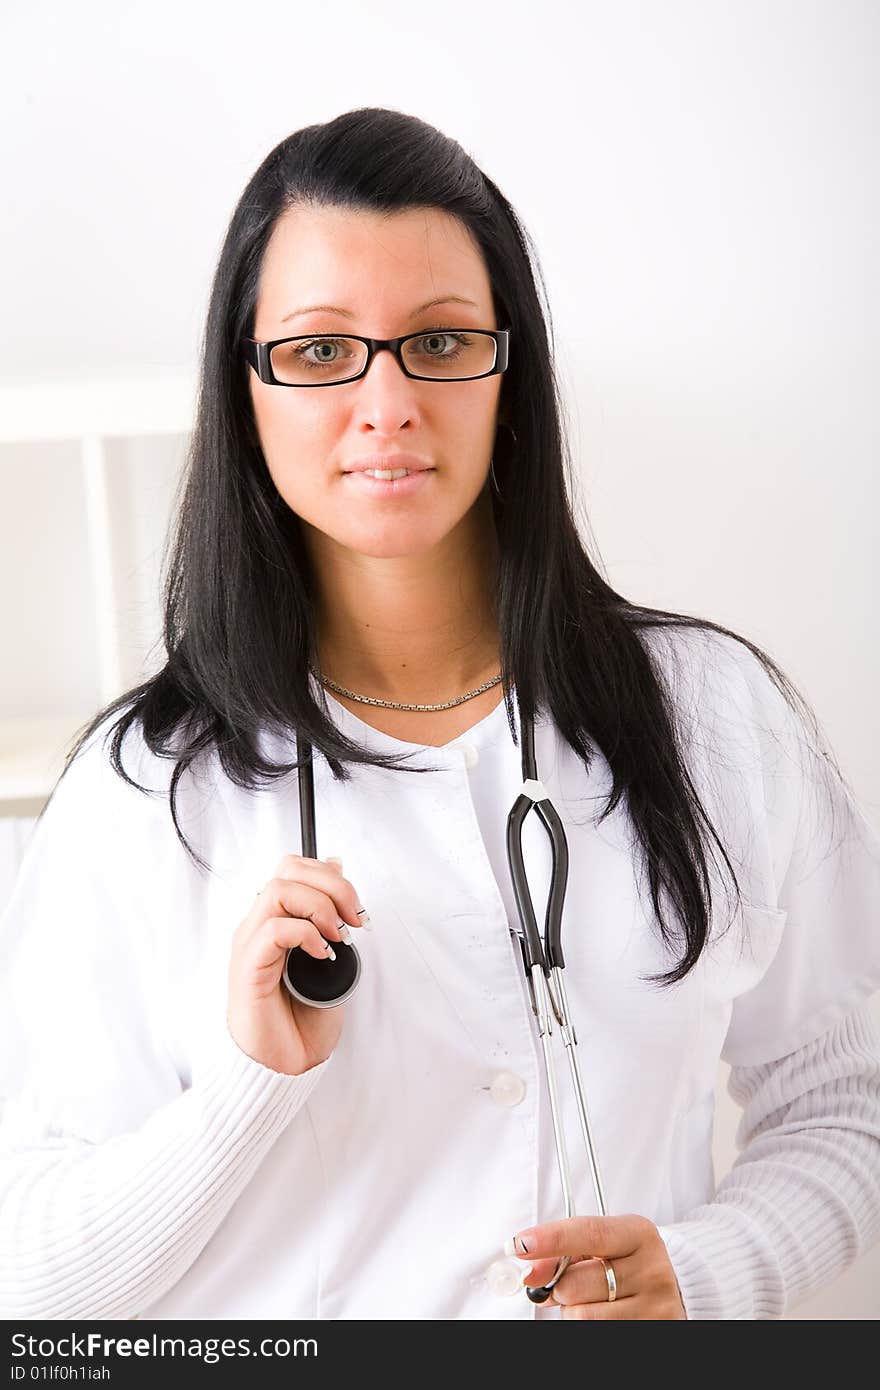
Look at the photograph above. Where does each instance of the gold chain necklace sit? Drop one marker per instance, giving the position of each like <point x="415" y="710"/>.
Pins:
<point x="394" y="704"/>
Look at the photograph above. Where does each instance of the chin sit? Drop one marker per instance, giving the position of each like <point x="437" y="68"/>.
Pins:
<point x="391" y="547"/>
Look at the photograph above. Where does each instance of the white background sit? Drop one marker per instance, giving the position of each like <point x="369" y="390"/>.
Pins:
<point x="700" y="179"/>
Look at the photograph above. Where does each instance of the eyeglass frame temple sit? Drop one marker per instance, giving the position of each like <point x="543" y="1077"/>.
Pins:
<point x="258" y="354"/>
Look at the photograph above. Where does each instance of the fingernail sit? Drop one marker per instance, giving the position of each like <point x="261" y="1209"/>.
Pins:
<point x="330" y="951"/>
<point x="345" y="933"/>
<point x="515" y="1245"/>
<point x="333" y="859"/>
<point x="365" y="918"/>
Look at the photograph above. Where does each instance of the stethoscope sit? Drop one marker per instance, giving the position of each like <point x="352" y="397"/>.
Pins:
<point x="326" y="984"/>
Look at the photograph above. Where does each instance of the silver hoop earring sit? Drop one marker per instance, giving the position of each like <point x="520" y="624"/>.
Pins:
<point x="512" y="433"/>
<point x="492" y="476"/>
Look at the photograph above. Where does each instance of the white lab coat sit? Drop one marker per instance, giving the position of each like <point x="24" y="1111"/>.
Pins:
<point x="424" y="1141"/>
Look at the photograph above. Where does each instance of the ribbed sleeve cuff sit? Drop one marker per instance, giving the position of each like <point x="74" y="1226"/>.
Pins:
<point x="802" y="1200"/>
<point x="230" y="1081"/>
<point x="710" y="1266"/>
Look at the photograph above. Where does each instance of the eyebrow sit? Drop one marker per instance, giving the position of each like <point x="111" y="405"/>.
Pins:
<point x="347" y="313"/>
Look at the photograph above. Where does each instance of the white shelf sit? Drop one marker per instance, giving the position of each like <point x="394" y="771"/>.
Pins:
<point x="88" y="412"/>
<point x="32" y="753"/>
<point x="105" y="407"/>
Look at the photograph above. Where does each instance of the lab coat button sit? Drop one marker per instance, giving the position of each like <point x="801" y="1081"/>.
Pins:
<point x="469" y="753"/>
<point x="507" y="1089"/>
<point x="504" y="1277"/>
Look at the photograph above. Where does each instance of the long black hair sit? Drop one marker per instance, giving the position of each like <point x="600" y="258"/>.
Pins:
<point x="239" y="630"/>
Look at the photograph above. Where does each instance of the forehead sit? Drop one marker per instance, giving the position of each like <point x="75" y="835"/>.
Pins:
<point x="368" y="260"/>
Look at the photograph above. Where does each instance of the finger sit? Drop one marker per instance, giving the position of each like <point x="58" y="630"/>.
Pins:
<point x="263" y="960"/>
<point x="304" y="934"/>
<point x="329" y="878"/>
<point x="288" y="864"/>
<point x="585" y="1281"/>
<point x="539" y="1273"/>
<point x="621" y="1310"/>
<point x="341" y="896"/>
<point x="573" y="1235"/>
<point x="296" y="899"/>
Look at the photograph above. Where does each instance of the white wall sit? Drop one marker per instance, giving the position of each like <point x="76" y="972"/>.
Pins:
<point x="700" y="178"/>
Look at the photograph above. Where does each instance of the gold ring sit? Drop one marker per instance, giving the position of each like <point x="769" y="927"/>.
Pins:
<point x="610" y="1279"/>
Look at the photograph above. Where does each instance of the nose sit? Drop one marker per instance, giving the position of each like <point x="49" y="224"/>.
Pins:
<point x="386" y="396"/>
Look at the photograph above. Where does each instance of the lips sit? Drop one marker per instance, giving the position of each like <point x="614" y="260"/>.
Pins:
<point x="390" y="489"/>
<point x="389" y="463"/>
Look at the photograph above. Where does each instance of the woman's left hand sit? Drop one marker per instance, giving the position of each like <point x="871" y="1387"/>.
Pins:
<point x="632" y="1245"/>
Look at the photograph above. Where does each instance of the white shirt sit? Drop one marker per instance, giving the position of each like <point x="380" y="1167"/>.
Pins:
<point x="154" y="1170"/>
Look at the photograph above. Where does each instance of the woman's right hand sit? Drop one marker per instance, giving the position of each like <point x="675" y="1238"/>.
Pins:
<point x="300" y="906"/>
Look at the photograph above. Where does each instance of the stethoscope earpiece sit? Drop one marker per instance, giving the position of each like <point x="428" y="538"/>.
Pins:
<point x="538" y="1295"/>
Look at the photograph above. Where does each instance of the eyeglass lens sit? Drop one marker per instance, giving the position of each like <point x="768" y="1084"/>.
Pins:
<point x="437" y="356"/>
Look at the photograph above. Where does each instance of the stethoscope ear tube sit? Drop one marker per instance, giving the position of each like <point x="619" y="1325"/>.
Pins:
<point x="543" y="965"/>
<point x="324" y="984"/>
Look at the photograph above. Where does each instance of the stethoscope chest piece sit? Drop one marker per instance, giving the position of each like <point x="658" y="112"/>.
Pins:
<point x="322" y="983"/>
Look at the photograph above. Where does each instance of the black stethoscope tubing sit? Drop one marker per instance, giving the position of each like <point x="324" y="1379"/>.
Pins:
<point x="327" y="983"/>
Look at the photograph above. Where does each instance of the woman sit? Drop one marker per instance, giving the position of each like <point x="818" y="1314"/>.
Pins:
<point x="187" y="1139"/>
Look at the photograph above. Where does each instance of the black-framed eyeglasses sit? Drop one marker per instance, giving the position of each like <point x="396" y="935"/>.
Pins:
<point x="329" y="359"/>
